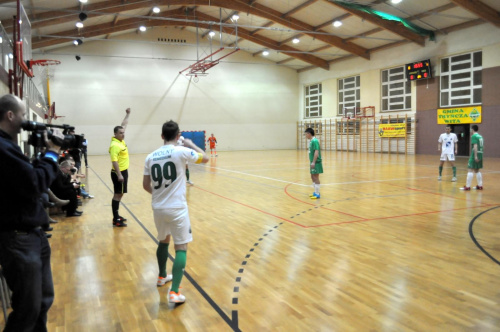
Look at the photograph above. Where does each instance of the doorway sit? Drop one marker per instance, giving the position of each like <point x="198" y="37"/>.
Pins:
<point x="463" y="133"/>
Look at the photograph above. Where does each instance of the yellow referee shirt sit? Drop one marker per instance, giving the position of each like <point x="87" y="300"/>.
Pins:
<point x="118" y="152"/>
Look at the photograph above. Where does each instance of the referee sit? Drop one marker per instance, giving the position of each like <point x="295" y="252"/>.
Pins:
<point x="118" y="152"/>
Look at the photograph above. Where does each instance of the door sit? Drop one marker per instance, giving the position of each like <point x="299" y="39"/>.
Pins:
<point x="463" y="133"/>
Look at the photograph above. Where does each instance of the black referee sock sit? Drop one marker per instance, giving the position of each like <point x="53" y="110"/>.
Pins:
<point x="115" y="205"/>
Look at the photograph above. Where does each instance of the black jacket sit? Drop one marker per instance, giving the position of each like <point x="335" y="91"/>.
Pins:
<point x="21" y="185"/>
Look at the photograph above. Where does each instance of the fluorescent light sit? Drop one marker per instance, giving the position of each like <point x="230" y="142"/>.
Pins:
<point x="296" y="40"/>
<point x="11" y="56"/>
<point x="142" y="28"/>
<point x="265" y="53"/>
<point x="396" y="1"/>
<point x="156" y="10"/>
<point x="79" y="25"/>
<point x="337" y="24"/>
<point x="211" y="34"/>
<point x="83" y="1"/>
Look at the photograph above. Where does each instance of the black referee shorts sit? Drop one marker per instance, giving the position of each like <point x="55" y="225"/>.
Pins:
<point x="119" y="187"/>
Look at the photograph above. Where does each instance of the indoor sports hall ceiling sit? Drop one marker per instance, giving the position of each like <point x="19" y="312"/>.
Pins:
<point x="263" y="25"/>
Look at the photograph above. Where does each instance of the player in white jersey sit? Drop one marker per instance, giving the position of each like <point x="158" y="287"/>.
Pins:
<point x="164" y="178"/>
<point x="180" y="142"/>
<point x="448" y="147"/>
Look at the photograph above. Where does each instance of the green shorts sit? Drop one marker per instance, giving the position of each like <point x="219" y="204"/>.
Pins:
<point x="318" y="168"/>
<point x="473" y="165"/>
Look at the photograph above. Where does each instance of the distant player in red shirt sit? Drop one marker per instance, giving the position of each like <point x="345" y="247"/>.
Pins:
<point x="212" y="140"/>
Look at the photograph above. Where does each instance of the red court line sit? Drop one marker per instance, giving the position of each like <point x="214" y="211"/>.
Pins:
<point x="251" y="207"/>
<point x="321" y="207"/>
<point x="403" y="215"/>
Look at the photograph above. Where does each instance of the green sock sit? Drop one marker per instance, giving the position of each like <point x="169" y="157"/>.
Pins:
<point x="178" y="269"/>
<point x="187" y="174"/>
<point x="162" y="256"/>
<point x="454" y="172"/>
<point x="440" y="170"/>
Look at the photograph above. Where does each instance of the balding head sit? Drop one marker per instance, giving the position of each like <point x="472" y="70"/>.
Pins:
<point x="9" y="103"/>
<point x="12" y="113"/>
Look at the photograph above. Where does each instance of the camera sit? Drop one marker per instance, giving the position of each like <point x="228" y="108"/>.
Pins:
<point x="37" y="140"/>
<point x="73" y="170"/>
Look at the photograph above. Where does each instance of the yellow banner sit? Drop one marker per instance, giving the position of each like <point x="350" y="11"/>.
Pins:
<point x="459" y="115"/>
<point x="392" y="130"/>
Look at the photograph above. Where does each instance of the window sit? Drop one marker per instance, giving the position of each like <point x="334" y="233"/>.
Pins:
<point x="461" y="80"/>
<point x="314" y="100"/>
<point x="349" y="127"/>
<point x="349" y="96"/>
<point x="396" y="90"/>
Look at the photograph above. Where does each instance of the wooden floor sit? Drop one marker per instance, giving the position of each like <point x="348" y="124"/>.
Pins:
<point x="386" y="248"/>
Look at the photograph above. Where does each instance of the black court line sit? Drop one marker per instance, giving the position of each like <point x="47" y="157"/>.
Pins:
<point x="233" y="323"/>
<point x="471" y="233"/>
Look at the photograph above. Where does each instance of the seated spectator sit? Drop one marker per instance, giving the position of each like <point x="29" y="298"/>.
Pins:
<point x="63" y="188"/>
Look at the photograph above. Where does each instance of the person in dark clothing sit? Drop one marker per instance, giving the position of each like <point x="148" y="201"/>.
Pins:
<point x="24" y="249"/>
<point x="63" y="188"/>
<point x="85" y="144"/>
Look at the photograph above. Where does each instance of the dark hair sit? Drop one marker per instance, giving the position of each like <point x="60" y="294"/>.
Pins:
<point x="169" y="130"/>
<point x="475" y="128"/>
<point x="8" y="103"/>
<point x="448" y="126"/>
<point x="117" y="128"/>
<point x="310" y="131"/>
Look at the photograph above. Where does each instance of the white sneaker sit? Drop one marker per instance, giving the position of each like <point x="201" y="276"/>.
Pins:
<point x="162" y="281"/>
<point x="439" y="178"/>
<point x="189" y="182"/>
<point x="453" y="179"/>
<point x="174" y="297"/>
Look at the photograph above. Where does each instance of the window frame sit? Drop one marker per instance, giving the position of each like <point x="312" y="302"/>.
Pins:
<point x="310" y="98"/>
<point x="449" y="77"/>
<point x="392" y="91"/>
<point x="342" y="104"/>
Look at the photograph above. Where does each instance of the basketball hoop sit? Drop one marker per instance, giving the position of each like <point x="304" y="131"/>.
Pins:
<point x="45" y="62"/>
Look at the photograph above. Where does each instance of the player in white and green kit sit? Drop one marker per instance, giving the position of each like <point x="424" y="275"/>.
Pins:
<point x="475" y="160"/>
<point x="316" y="166"/>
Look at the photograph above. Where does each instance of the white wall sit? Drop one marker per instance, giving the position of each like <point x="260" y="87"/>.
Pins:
<point x="483" y="37"/>
<point x="247" y="106"/>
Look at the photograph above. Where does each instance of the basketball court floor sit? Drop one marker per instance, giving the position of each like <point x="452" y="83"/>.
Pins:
<point x="386" y="248"/>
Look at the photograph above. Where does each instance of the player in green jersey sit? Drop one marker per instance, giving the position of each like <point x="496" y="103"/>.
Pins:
<point x="316" y="167"/>
<point x="475" y="160"/>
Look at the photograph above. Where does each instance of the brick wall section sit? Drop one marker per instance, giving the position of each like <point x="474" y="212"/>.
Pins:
<point x="428" y="130"/>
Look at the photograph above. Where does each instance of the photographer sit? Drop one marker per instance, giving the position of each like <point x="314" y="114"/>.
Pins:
<point x="24" y="249"/>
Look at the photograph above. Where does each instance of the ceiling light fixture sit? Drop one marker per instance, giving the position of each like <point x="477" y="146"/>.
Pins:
<point x="156" y="10"/>
<point x="78" y="58"/>
<point x="235" y="17"/>
<point x="82" y="16"/>
<point x="142" y="28"/>
<point x="265" y="53"/>
<point x="83" y="1"/>
<point x="396" y="1"/>
<point x="296" y="40"/>
<point x="211" y="34"/>
<point x="77" y="42"/>
<point x="337" y="24"/>
<point x="79" y="25"/>
<point x="11" y="56"/>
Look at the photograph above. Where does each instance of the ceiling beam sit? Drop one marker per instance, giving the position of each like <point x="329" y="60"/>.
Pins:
<point x="132" y="24"/>
<point x="114" y="6"/>
<point x="385" y="24"/>
<point x="480" y="9"/>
